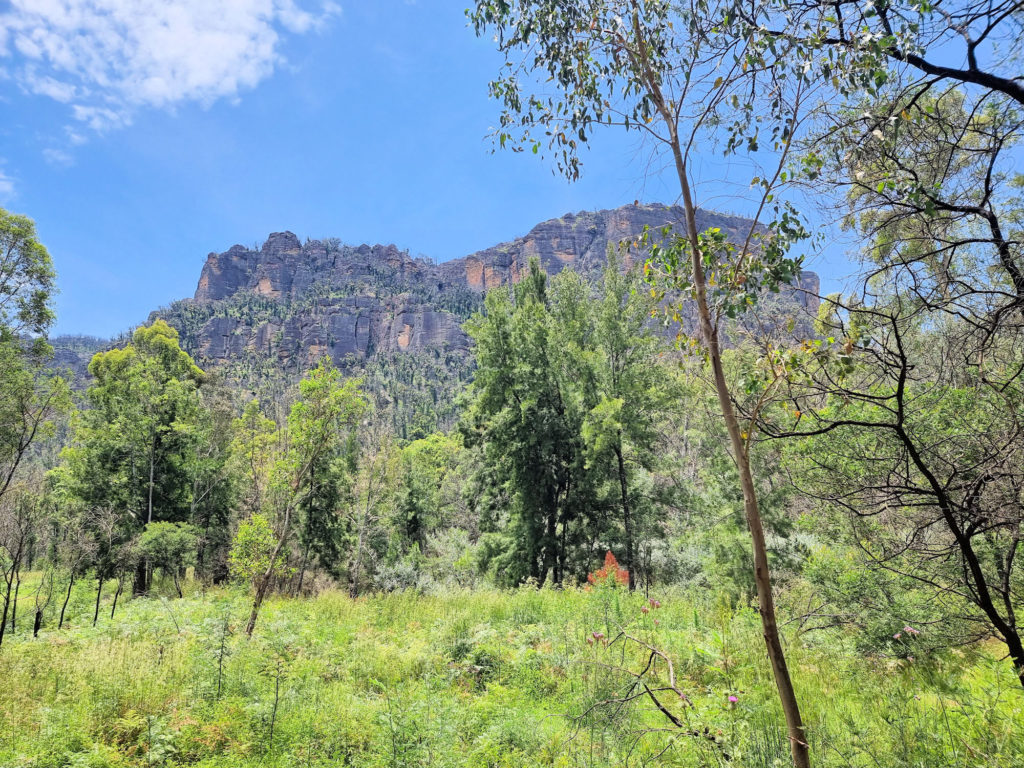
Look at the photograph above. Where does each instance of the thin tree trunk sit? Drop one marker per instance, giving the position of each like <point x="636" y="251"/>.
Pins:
<point x="257" y="602"/>
<point x="140" y="581"/>
<point x="99" y="595"/>
<point x="67" y="598"/>
<point x="762" y="576"/>
<point x="38" y="623"/>
<point x="263" y="584"/>
<point x="149" y="505"/>
<point x="302" y="571"/>
<point x="117" y="594"/>
<point x="14" y="605"/>
<point x="626" y="519"/>
<point x="7" y="606"/>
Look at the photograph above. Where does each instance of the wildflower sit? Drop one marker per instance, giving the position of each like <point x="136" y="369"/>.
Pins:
<point x="644" y="609"/>
<point x="656" y="622"/>
<point x="733" y="699"/>
<point x="654" y="603"/>
<point x="912" y="631"/>
<point x="897" y="636"/>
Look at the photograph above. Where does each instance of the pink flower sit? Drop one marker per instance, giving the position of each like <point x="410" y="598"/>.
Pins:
<point x="654" y="603"/>
<point x="644" y="609"/>
<point x="896" y="636"/>
<point x="733" y="699"/>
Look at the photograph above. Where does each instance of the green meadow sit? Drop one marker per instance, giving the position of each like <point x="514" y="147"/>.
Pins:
<point x="482" y="678"/>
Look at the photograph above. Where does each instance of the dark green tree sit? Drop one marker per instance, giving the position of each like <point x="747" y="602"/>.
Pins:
<point x="134" y="447"/>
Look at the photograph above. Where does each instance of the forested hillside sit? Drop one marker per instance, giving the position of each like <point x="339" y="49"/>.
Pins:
<point x="261" y="317"/>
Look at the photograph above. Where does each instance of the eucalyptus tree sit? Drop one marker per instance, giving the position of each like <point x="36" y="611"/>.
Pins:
<point x="133" y="448"/>
<point x="31" y="397"/>
<point x="305" y="482"/>
<point x="677" y="73"/>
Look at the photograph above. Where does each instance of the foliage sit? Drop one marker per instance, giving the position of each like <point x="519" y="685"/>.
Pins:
<point x="26" y="280"/>
<point x="480" y="678"/>
<point x="254" y="550"/>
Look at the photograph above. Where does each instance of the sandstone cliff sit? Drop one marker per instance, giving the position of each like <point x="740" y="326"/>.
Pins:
<point x="321" y="297"/>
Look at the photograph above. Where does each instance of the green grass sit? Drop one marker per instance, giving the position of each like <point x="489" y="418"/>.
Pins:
<point x="483" y="678"/>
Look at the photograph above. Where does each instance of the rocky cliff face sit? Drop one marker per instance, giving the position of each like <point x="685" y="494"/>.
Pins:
<point x="321" y="297"/>
<point x="262" y="317"/>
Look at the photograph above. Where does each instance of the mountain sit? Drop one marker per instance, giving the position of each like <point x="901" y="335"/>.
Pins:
<point x="262" y="317"/>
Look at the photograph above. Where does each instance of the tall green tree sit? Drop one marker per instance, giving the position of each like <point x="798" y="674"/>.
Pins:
<point x="135" y="445"/>
<point x="563" y="408"/>
<point x="32" y="399"/>
<point x="631" y="398"/>
<point x="306" y="482"/>
<point x="323" y="435"/>
<point x="528" y="427"/>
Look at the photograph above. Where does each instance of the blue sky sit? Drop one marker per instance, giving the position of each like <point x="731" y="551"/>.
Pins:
<point x="143" y="134"/>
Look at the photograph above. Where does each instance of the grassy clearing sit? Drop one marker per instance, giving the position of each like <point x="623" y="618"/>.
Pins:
<point x="482" y="678"/>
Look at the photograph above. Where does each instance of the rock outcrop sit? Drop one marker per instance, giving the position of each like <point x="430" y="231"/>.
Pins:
<point x="321" y="297"/>
<point x="279" y="308"/>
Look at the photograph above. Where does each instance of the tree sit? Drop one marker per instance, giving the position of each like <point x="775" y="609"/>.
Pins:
<point x="619" y="431"/>
<point x="256" y="557"/>
<point x="134" y="447"/>
<point x="26" y="280"/>
<point x="673" y="72"/>
<point x="31" y="397"/>
<point x="320" y="425"/>
<point x="19" y="515"/>
<point x="170" y="547"/>
<point x="254" y="444"/>
<point x="528" y="427"/>
<point x="562" y="410"/>
<point x="322" y="430"/>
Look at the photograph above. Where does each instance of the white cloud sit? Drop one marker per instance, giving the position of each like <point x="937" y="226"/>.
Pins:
<point x="6" y="188"/>
<point x="108" y="58"/>
<point x="58" y="157"/>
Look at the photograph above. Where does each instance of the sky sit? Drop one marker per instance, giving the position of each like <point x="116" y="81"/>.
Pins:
<point x="141" y="135"/>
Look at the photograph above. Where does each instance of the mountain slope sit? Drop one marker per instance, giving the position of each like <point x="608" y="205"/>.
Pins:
<point x="263" y="317"/>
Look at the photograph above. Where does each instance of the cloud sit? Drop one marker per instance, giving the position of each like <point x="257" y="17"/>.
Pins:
<point x="58" y="157"/>
<point x="108" y="58"/>
<point x="6" y="188"/>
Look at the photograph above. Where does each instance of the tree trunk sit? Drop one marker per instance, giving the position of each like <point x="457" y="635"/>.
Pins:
<point x="7" y="606"/>
<point x="99" y="595"/>
<point x="14" y="605"/>
<point x="626" y="520"/>
<point x="762" y="576"/>
<point x="302" y="571"/>
<point x="263" y="584"/>
<point x="149" y="504"/>
<point x="67" y="598"/>
<point x="117" y="594"/>
<point x="257" y="601"/>
<point x="38" y="623"/>
<point x="140" y="582"/>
